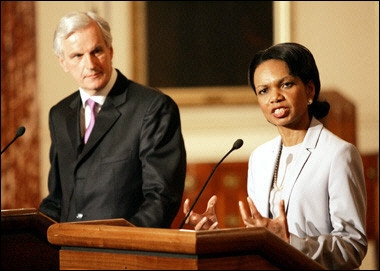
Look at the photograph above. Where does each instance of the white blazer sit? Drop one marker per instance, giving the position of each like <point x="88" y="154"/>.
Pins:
<point x="325" y="196"/>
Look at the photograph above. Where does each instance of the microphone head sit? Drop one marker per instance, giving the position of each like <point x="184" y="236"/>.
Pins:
<point x="238" y="143"/>
<point x="20" y="131"/>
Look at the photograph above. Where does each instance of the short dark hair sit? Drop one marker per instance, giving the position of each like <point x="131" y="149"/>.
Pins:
<point x="301" y="63"/>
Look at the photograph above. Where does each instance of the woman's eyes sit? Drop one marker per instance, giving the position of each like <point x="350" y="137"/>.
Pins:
<point x="287" y="85"/>
<point x="284" y="85"/>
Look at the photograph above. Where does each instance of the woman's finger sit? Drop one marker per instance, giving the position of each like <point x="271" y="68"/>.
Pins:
<point x="244" y="214"/>
<point x="186" y="206"/>
<point x="255" y="214"/>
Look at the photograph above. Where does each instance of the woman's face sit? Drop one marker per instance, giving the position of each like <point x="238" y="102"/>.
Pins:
<point x="282" y="97"/>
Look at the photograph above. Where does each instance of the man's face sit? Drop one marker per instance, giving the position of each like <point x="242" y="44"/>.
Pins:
<point x="87" y="58"/>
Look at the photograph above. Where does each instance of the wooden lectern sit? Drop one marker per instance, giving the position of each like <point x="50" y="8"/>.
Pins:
<point x="24" y="244"/>
<point x="110" y="244"/>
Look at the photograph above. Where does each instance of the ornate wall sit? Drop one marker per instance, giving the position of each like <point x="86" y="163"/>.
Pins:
<point x="20" y="168"/>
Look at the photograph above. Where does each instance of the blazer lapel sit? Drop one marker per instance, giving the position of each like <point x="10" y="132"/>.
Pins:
<point x="308" y="145"/>
<point x="291" y="178"/>
<point x="267" y="179"/>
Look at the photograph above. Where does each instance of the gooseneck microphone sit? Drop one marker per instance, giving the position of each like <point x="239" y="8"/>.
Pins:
<point x="238" y="143"/>
<point x="20" y="131"/>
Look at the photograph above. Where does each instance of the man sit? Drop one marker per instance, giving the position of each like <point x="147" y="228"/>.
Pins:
<point x="133" y="164"/>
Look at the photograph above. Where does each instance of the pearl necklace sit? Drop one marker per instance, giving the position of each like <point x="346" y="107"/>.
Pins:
<point x="275" y="186"/>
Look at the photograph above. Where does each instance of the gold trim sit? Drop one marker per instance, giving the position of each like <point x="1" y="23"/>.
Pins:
<point x="211" y="95"/>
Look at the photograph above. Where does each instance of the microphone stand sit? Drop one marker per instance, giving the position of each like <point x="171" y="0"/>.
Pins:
<point x="20" y="131"/>
<point x="238" y="143"/>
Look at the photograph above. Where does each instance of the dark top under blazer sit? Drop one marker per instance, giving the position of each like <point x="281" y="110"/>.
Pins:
<point x="133" y="165"/>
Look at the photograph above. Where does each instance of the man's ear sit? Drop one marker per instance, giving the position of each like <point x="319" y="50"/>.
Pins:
<point x="111" y="52"/>
<point x="62" y="63"/>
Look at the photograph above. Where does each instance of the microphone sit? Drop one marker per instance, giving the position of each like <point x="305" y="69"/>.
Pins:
<point x="20" y="131"/>
<point x="238" y="143"/>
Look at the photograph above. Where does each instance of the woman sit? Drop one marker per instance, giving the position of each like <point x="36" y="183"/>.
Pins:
<point x="306" y="185"/>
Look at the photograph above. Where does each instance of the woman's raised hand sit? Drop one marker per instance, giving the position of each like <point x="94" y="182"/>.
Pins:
<point x="205" y="221"/>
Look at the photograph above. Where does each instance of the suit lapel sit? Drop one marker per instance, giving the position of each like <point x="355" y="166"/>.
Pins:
<point x="73" y="124"/>
<point x="109" y="114"/>
<point x="105" y="119"/>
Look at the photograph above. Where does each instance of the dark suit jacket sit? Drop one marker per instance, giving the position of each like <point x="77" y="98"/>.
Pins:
<point x="133" y="165"/>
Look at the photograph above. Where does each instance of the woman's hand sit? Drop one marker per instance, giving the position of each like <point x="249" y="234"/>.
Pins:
<point x="205" y="221"/>
<point x="278" y="225"/>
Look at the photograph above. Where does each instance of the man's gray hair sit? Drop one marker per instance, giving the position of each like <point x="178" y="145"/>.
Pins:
<point x="77" y="20"/>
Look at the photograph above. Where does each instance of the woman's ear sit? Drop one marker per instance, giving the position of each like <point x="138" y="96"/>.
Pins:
<point x="310" y="90"/>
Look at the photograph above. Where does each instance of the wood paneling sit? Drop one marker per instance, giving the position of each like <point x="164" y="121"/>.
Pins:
<point x="371" y="173"/>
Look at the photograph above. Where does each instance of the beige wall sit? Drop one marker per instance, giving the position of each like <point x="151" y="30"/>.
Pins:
<point x="343" y="36"/>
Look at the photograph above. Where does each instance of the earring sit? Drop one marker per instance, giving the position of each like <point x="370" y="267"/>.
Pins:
<point x="310" y="101"/>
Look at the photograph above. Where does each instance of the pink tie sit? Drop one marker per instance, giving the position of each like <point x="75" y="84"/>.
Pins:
<point x="91" y="103"/>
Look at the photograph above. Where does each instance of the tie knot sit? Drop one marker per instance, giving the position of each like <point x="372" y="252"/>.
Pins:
<point x="91" y="103"/>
